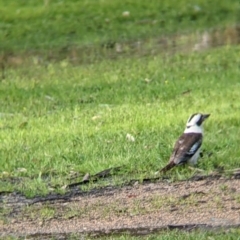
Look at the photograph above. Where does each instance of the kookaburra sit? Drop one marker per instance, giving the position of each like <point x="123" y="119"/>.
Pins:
<point x="187" y="147"/>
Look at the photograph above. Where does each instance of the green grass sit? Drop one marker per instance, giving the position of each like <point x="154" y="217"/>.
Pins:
<point x="50" y="24"/>
<point x="57" y="119"/>
<point x="180" y="235"/>
<point x="164" y="235"/>
<point x="61" y="119"/>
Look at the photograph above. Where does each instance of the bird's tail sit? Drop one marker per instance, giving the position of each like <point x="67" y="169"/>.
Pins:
<point x="167" y="167"/>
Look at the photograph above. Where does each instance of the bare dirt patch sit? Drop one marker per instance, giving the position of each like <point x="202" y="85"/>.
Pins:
<point x="141" y="208"/>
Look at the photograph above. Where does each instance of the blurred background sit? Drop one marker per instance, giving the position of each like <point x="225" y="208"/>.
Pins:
<point x="91" y="30"/>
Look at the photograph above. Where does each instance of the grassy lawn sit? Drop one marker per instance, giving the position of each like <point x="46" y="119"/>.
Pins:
<point x="58" y="120"/>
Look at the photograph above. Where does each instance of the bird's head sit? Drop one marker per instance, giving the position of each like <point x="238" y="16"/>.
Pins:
<point x="197" y="120"/>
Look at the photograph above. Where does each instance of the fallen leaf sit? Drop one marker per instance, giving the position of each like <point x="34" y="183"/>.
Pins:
<point x="130" y="138"/>
<point x="146" y="80"/>
<point x="86" y="177"/>
<point x="21" y="170"/>
<point x="64" y="187"/>
<point x="49" y="98"/>
<point x="96" y="117"/>
<point x="126" y="14"/>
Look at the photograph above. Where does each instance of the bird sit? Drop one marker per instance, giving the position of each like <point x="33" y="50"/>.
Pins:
<point x="187" y="147"/>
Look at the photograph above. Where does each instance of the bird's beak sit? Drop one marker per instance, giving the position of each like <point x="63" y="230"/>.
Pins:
<point x="205" y="116"/>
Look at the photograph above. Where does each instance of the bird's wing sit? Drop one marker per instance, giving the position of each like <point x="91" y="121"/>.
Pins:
<point x="185" y="147"/>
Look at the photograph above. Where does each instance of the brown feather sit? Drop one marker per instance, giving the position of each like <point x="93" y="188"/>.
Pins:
<point x="168" y="167"/>
<point x="181" y="147"/>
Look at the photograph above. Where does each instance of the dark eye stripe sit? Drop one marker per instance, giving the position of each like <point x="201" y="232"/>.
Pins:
<point x="199" y="122"/>
<point x="192" y="117"/>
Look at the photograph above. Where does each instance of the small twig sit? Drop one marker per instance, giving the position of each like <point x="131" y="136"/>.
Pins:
<point x="103" y="174"/>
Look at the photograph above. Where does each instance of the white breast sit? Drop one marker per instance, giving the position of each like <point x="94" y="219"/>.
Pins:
<point x="194" y="129"/>
<point x="194" y="158"/>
